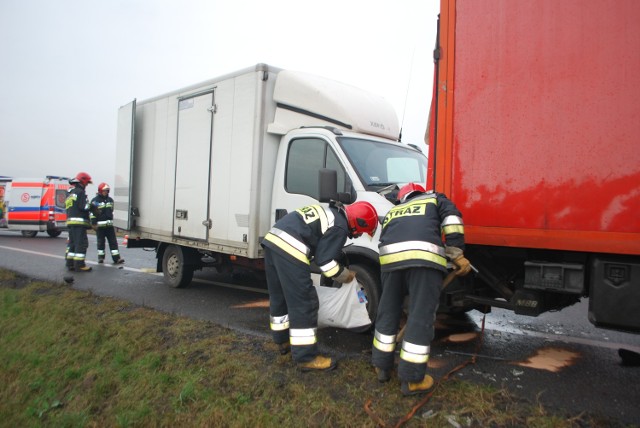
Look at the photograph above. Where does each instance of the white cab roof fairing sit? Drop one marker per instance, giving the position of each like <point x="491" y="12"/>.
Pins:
<point x="308" y="100"/>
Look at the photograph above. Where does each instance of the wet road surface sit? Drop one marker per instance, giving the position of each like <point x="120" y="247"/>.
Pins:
<point x="557" y="359"/>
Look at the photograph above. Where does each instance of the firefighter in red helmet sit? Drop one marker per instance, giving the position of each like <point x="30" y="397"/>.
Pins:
<point x="102" y="222"/>
<point x="311" y="233"/>
<point x="78" y="222"/>
<point x="413" y="261"/>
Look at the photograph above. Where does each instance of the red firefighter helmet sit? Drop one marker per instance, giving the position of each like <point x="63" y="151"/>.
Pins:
<point x="407" y="190"/>
<point x="83" y="178"/>
<point x="362" y="218"/>
<point x="102" y="187"/>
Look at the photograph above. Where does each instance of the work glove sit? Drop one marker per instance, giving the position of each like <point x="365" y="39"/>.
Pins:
<point x="464" y="266"/>
<point x="345" y="277"/>
<point x="456" y="255"/>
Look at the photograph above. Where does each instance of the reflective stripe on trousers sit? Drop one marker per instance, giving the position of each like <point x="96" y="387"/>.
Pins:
<point x="303" y="336"/>
<point x="384" y="342"/>
<point x="413" y="353"/>
<point x="279" y="323"/>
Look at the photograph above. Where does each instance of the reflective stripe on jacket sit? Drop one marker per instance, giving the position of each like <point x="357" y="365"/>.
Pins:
<point x="412" y="233"/>
<point x="311" y="232"/>
<point x="102" y="211"/>
<point x="77" y="207"/>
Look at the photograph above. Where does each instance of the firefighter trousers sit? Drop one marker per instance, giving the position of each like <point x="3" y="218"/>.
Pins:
<point x="292" y="294"/>
<point x="108" y="234"/>
<point x="77" y="248"/>
<point x="422" y="285"/>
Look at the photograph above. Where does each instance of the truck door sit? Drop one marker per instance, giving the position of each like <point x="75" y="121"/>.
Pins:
<point x="193" y="160"/>
<point x="124" y="166"/>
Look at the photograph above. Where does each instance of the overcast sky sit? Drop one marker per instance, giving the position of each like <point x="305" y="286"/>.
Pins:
<point x="68" y="65"/>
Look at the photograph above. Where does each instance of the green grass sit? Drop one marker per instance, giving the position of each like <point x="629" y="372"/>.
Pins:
<point x="69" y="358"/>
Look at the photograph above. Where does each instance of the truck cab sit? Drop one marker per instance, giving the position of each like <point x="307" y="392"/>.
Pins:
<point x="366" y="168"/>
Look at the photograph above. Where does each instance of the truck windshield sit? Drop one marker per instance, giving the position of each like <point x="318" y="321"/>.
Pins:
<point x="380" y="164"/>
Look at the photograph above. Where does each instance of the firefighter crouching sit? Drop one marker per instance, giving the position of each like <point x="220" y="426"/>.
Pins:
<point x="77" y="206"/>
<point x="413" y="261"/>
<point x="311" y="232"/>
<point x="102" y="223"/>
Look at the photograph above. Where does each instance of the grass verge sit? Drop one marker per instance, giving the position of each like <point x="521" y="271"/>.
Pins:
<point x="70" y="358"/>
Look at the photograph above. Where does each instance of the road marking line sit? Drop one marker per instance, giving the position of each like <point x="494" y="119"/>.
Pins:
<point x="238" y="287"/>
<point x="150" y="271"/>
<point x="37" y="253"/>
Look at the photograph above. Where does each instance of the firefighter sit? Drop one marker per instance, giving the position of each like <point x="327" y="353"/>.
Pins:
<point x="413" y="261"/>
<point x="78" y="222"/>
<point x="102" y="223"/>
<point x="309" y="233"/>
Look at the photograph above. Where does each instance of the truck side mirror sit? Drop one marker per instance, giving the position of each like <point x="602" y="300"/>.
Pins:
<point x="328" y="185"/>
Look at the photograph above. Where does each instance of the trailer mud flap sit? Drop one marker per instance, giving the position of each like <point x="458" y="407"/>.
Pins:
<point x="614" y="300"/>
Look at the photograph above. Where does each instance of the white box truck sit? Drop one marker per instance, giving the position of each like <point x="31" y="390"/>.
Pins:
<point x="205" y="171"/>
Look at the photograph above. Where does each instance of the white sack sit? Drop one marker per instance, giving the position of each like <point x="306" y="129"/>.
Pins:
<point x="344" y="307"/>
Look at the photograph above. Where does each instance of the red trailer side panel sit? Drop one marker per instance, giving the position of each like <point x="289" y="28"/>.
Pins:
<point x="538" y="138"/>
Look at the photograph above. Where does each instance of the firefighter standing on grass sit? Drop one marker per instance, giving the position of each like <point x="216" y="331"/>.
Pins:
<point x="78" y="222"/>
<point x="102" y="222"/>
<point x="413" y="260"/>
<point x="311" y="232"/>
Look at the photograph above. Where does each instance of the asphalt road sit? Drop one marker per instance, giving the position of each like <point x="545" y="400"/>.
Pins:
<point x="557" y="359"/>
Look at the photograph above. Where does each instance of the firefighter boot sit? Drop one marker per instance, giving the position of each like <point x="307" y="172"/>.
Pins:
<point x="69" y="264"/>
<point x="81" y="267"/>
<point x="411" y="388"/>
<point x="383" y="375"/>
<point x="118" y="261"/>
<point x="100" y="259"/>
<point x="284" y="348"/>
<point x="319" y="363"/>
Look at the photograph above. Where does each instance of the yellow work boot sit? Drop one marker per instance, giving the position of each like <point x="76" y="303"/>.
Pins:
<point x="410" y="388"/>
<point x="83" y="269"/>
<point x="318" y="363"/>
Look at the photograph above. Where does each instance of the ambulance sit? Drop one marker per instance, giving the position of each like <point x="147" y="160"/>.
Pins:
<point x="36" y="205"/>
<point x="3" y="185"/>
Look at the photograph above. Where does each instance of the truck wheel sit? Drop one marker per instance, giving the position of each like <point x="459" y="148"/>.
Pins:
<point x="54" y="233"/>
<point x="369" y="283"/>
<point x="177" y="274"/>
<point x="29" y="233"/>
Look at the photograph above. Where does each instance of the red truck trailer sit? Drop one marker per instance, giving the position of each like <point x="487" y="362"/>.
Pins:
<point x="535" y="134"/>
<point x="36" y="205"/>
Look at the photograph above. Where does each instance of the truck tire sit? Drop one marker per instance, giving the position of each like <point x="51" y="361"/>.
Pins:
<point x="29" y="233"/>
<point x="54" y="233"/>
<point x="177" y="273"/>
<point x="369" y="282"/>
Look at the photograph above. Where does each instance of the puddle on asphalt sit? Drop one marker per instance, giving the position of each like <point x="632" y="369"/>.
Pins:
<point x="462" y="337"/>
<point x="437" y="363"/>
<point x="256" y="304"/>
<point x="551" y="359"/>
